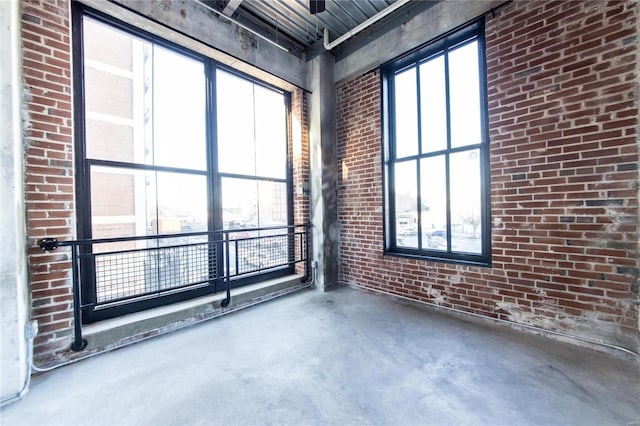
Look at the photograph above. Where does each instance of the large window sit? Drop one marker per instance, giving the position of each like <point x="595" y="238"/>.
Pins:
<point x="436" y="156"/>
<point x="169" y="143"/>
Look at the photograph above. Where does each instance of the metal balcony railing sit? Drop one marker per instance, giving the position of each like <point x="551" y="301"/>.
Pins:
<point x="112" y="273"/>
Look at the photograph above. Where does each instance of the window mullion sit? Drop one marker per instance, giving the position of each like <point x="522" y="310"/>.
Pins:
<point x="153" y="137"/>
<point x="446" y="159"/>
<point x="255" y="152"/>
<point x="214" y="201"/>
<point x="392" y="204"/>
<point x="418" y="162"/>
<point x="485" y="172"/>
<point x="392" y="164"/>
<point x="214" y="204"/>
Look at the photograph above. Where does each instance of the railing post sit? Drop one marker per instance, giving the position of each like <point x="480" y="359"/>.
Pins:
<point x="307" y="262"/>
<point x="227" y="275"/>
<point x="235" y="247"/>
<point x="50" y="244"/>
<point x="78" y="342"/>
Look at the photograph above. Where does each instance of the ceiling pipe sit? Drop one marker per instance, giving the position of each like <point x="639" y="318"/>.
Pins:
<point x="231" y="7"/>
<point x="375" y="18"/>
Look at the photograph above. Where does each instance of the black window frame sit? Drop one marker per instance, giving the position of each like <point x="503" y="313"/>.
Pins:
<point x="82" y="164"/>
<point x="470" y="32"/>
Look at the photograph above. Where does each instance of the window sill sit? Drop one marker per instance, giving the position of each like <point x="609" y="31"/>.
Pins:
<point x="121" y="331"/>
<point x="468" y="260"/>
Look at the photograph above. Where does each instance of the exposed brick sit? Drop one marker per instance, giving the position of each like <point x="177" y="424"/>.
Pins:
<point x="563" y="110"/>
<point x="49" y="205"/>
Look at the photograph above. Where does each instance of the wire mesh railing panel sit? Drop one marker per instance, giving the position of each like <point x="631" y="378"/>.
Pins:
<point x="133" y="273"/>
<point x="261" y="253"/>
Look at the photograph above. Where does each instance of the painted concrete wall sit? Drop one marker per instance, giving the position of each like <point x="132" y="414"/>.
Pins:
<point x="13" y="265"/>
<point x="234" y="45"/>
<point x="426" y="25"/>
<point x="323" y="174"/>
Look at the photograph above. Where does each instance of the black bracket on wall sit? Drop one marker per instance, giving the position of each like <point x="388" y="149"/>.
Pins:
<point x="48" y="244"/>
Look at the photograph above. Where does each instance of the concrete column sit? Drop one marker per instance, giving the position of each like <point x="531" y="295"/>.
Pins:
<point x="14" y="297"/>
<point x="324" y="171"/>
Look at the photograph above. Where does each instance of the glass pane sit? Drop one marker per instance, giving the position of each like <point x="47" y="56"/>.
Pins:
<point x="128" y="202"/>
<point x="123" y="202"/>
<point x="136" y="111"/>
<point x="182" y="203"/>
<point x="107" y="44"/>
<point x="433" y="188"/>
<point x="271" y="133"/>
<point x="406" y="113"/>
<point x="248" y="203"/>
<point x="433" y="104"/>
<point x="464" y="96"/>
<point x="236" y="134"/>
<point x="179" y="110"/>
<point x="273" y="243"/>
<point x="114" y="93"/>
<point x="466" y="214"/>
<point x="112" y="141"/>
<point x="406" y="199"/>
<point x="272" y="203"/>
<point x="239" y="203"/>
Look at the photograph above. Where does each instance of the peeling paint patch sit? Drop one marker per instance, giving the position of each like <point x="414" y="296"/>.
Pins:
<point x="522" y="315"/>
<point x="435" y="295"/>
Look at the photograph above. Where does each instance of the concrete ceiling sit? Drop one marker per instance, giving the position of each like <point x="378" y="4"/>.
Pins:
<point x="290" y="24"/>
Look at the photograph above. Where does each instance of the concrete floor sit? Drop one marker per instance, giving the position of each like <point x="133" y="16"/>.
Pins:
<point x="344" y="357"/>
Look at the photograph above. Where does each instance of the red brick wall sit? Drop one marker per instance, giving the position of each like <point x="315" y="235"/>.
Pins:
<point x="299" y="153"/>
<point x="563" y="107"/>
<point x="49" y="165"/>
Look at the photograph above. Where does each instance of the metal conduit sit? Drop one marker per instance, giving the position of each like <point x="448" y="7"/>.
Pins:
<point x="375" y="18"/>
